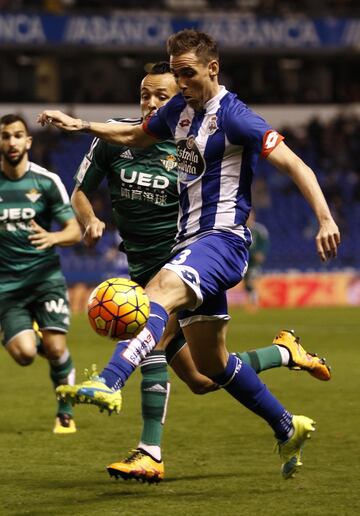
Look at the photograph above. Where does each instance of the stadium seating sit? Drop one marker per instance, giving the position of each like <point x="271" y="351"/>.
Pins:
<point x="279" y="206"/>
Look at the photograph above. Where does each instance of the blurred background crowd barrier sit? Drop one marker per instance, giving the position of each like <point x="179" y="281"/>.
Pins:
<point x="296" y="63"/>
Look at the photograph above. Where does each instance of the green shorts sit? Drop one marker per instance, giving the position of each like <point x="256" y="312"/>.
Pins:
<point x="47" y="303"/>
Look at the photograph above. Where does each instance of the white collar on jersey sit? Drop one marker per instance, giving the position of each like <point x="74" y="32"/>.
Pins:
<point x="212" y="105"/>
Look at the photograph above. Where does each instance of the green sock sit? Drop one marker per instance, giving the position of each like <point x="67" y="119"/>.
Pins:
<point x="262" y="358"/>
<point x="155" y="389"/>
<point x="62" y="372"/>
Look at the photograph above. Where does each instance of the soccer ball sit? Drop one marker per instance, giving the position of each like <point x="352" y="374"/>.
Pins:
<point x="118" y="308"/>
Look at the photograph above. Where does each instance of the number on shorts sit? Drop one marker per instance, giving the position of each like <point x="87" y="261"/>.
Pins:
<point x="181" y="257"/>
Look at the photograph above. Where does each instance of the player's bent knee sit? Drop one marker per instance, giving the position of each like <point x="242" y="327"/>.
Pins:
<point x="201" y="384"/>
<point x="199" y="388"/>
<point x="55" y="351"/>
<point x="54" y="345"/>
<point x="24" y="359"/>
<point x="23" y="351"/>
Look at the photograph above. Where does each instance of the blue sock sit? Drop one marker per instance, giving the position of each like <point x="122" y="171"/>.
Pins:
<point x="129" y="353"/>
<point x="241" y="381"/>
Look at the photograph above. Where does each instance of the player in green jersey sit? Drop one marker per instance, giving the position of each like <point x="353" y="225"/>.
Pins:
<point x="143" y="190"/>
<point x="257" y="256"/>
<point x="32" y="286"/>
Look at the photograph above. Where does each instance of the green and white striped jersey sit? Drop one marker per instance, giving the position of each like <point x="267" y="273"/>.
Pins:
<point x="41" y="196"/>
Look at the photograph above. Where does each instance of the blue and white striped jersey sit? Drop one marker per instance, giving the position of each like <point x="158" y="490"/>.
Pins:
<point x="217" y="151"/>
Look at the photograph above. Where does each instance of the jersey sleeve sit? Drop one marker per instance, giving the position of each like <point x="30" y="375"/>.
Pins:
<point x="244" y="127"/>
<point x="93" y="168"/>
<point x="158" y="124"/>
<point x="58" y="197"/>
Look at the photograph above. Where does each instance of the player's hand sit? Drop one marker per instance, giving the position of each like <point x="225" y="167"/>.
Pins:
<point x="93" y="232"/>
<point x="60" y="120"/>
<point x="327" y="240"/>
<point x="40" y="238"/>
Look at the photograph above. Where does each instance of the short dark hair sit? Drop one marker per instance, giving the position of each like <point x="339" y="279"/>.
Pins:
<point x="159" y="68"/>
<point x="191" y="40"/>
<point x="12" y="118"/>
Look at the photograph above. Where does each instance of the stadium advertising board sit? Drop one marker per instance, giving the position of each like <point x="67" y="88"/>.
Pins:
<point x="303" y="289"/>
<point x="275" y="291"/>
<point x="150" y="31"/>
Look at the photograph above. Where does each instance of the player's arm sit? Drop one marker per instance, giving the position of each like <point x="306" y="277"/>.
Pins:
<point x="120" y="134"/>
<point x="93" y="226"/>
<point x="328" y="236"/>
<point x="70" y="234"/>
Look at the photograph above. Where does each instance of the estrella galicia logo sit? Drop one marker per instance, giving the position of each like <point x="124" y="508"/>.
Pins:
<point x="191" y="164"/>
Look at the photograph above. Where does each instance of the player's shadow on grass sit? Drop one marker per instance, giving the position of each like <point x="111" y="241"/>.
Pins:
<point x="199" y="477"/>
<point x="102" y="482"/>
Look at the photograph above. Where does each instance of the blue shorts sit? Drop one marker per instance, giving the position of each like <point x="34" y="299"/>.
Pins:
<point x="210" y="266"/>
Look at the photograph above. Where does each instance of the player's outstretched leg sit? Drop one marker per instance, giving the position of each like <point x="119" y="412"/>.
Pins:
<point x="290" y="451"/>
<point x="286" y="351"/>
<point x="104" y="390"/>
<point x="241" y="381"/>
<point x="300" y="359"/>
<point x="138" y="465"/>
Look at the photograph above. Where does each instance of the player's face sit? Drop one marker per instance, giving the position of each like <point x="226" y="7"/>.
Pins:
<point x="14" y="142"/>
<point x="155" y="91"/>
<point x="197" y="81"/>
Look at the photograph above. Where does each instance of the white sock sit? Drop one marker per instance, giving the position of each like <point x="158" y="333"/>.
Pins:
<point x="285" y="355"/>
<point x="154" y="451"/>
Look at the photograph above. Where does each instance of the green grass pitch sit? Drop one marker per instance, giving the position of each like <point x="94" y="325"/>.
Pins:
<point x="219" y="457"/>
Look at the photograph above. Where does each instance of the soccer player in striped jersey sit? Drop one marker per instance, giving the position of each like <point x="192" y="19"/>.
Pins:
<point x="32" y="286"/>
<point x="143" y="190"/>
<point x="219" y="141"/>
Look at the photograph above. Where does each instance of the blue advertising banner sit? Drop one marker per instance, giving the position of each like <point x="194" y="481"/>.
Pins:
<point x="150" y="31"/>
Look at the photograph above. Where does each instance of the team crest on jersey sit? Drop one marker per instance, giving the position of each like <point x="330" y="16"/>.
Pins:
<point x="212" y="125"/>
<point x="33" y="195"/>
<point x="190" y="142"/>
<point x="169" y="163"/>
